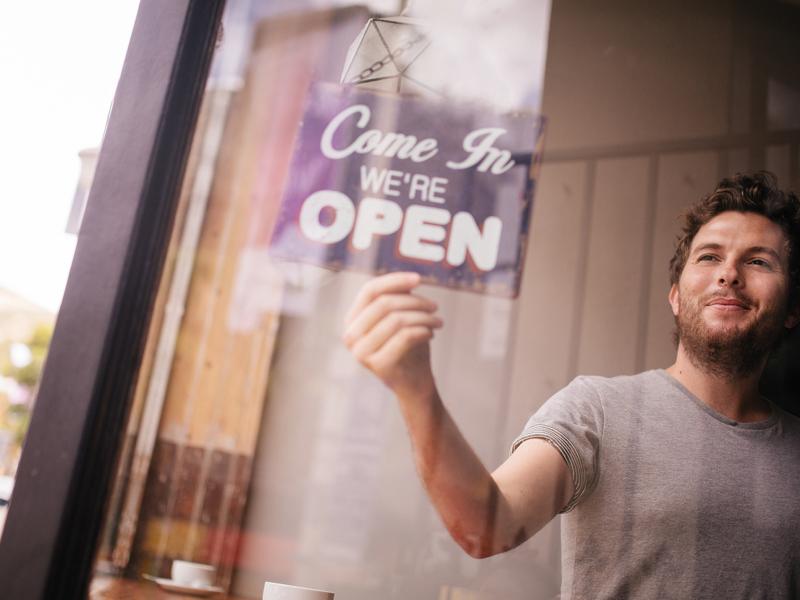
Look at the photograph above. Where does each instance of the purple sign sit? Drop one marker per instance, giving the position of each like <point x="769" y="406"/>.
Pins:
<point x="384" y="183"/>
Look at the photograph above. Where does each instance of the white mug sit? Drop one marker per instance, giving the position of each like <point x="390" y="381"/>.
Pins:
<point x="193" y="574"/>
<point x="282" y="591"/>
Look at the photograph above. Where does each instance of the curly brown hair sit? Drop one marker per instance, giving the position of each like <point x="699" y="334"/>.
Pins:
<point x="757" y="193"/>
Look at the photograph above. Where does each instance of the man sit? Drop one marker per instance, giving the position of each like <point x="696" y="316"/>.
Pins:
<point x="675" y="483"/>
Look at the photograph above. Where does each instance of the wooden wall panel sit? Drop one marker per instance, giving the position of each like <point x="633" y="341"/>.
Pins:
<point x="129" y="468"/>
<point x="627" y="72"/>
<point x="778" y="160"/>
<point x="211" y="418"/>
<point x="735" y="160"/>
<point x="611" y="300"/>
<point x="549" y="297"/>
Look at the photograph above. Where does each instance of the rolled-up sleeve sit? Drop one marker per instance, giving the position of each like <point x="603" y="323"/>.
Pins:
<point x="572" y="422"/>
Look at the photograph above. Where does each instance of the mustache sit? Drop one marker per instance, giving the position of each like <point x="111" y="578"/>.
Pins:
<point x="736" y="296"/>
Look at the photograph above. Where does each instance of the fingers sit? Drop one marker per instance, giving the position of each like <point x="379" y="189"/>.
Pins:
<point x="382" y="306"/>
<point x="397" y="324"/>
<point x="388" y="328"/>
<point x="401" y="282"/>
<point x="398" y="345"/>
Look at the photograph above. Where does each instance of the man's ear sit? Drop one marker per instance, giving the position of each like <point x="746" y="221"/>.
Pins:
<point x="674" y="298"/>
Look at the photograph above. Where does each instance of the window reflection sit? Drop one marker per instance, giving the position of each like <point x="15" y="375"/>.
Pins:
<point x="256" y="442"/>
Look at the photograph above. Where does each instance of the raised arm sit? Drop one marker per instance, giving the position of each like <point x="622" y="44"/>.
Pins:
<point x="388" y="330"/>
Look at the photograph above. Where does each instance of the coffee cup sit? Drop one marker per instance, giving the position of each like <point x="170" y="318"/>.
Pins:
<point x="192" y="574"/>
<point x="282" y="591"/>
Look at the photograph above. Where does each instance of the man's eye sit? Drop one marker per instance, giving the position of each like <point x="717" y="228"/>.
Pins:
<point x="706" y="257"/>
<point x="760" y="262"/>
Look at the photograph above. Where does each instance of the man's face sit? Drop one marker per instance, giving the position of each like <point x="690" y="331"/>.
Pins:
<point x="731" y="302"/>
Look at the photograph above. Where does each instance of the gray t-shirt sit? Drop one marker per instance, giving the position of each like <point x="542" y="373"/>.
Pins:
<point x="672" y="500"/>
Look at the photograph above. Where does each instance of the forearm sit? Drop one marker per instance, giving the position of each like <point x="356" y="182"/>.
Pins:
<point x="460" y="487"/>
<point x="388" y="330"/>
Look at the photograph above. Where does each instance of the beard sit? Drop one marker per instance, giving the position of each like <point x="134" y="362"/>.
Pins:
<point x="734" y="350"/>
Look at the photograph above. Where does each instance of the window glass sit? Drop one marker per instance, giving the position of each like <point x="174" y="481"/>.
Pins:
<point x="52" y="115"/>
<point x="257" y="443"/>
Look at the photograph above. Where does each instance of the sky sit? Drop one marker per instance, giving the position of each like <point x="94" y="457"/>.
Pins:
<point x="60" y="63"/>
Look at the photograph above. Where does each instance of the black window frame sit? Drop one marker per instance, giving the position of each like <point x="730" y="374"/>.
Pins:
<point x="66" y="470"/>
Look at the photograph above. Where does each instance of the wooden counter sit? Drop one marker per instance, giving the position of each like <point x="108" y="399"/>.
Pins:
<point x="116" y="588"/>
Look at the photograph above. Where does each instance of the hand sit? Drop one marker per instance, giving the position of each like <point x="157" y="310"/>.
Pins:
<point x="388" y="330"/>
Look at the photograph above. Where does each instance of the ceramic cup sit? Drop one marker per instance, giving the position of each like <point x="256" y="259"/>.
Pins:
<point x="281" y="591"/>
<point x="193" y="574"/>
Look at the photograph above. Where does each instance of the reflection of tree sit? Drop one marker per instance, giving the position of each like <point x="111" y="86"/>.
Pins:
<point x="17" y="395"/>
<point x="28" y="375"/>
<point x="16" y="421"/>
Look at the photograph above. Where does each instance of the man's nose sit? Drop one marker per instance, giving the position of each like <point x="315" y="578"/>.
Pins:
<point x="728" y="274"/>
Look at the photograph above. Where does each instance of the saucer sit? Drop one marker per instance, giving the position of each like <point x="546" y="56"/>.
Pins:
<point x="168" y="585"/>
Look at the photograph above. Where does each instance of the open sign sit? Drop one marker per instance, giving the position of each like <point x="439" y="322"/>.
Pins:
<point x="423" y="230"/>
<point x="382" y="183"/>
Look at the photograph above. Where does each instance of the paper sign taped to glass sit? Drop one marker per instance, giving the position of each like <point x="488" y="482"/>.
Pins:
<point x="384" y="182"/>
